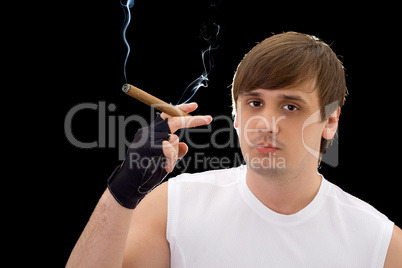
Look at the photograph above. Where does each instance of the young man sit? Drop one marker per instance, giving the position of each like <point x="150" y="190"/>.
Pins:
<point x="276" y="211"/>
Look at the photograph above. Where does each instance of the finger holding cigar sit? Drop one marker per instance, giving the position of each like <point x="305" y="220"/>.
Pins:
<point x="173" y="149"/>
<point x="178" y="118"/>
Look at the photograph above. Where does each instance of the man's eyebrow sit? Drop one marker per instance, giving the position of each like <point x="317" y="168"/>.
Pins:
<point x="250" y="93"/>
<point x="293" y="98"/>
<point x="282" y="96"/>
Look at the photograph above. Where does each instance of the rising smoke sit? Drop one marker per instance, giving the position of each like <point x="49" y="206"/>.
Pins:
<point x="209" y="32"/>
<point x="127" y="19"/>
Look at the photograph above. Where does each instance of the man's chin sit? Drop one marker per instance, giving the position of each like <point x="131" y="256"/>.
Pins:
<point x="269" y="164"/>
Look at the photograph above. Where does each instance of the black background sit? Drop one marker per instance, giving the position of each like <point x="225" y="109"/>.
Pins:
<point x="76" y="53"/>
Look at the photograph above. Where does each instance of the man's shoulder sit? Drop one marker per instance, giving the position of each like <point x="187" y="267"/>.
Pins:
<point x="353" y="204"/>
<point x="361" y="223"/>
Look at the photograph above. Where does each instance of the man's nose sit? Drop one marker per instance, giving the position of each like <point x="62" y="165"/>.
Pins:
<point x="268" y="124"/>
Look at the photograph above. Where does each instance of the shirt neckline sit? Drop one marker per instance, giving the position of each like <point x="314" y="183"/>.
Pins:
<point x="272" y="216"/>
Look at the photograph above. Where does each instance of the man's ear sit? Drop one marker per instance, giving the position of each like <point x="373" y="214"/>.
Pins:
<point x="331" y="125"/>
<point x="236" y="124"/>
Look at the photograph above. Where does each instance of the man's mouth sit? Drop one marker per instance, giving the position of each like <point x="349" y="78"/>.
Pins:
<point x="266" y="148"/>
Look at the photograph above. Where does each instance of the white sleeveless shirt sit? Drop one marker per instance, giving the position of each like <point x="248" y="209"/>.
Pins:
<point x="214" y="220"/>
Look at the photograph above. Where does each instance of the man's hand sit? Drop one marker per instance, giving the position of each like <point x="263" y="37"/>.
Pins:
<point x="173" y="149"/>
<point x="152" y="154"/>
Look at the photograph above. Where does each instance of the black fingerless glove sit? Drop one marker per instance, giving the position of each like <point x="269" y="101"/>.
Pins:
<point x="143" y="168"/>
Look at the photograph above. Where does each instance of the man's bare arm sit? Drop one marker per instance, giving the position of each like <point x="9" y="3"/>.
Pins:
<point x="103" y="240"/>
<point x="146" y="243"/>
<point x="119" y="237"/>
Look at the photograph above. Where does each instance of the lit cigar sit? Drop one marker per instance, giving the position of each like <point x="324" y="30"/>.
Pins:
<point x="152" y="101"/>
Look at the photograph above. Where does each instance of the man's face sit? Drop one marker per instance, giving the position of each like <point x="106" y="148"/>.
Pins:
<point x="277" y="128"/>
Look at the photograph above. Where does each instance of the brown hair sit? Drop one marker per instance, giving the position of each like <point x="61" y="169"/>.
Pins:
<point x="287" y="59"/>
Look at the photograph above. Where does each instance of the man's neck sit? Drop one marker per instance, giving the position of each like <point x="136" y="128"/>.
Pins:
<point x="285" y="194"/>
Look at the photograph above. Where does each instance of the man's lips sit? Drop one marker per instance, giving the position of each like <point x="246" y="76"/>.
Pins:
<point x="266" y="148"/>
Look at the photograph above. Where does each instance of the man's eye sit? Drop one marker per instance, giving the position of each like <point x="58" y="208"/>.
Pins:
<point x="290" y="107"/>
<point x="255" y="103"/>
